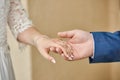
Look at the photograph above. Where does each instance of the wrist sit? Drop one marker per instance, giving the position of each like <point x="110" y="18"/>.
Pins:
<point x="38" y="38"/>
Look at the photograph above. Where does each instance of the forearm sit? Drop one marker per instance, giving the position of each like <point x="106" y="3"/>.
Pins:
<point x="28" y="36"/>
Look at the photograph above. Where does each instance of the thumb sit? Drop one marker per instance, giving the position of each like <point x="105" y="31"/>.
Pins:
<point x="66" y="34"/>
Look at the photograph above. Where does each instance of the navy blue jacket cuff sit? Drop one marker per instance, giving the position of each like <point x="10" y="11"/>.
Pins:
<point x="106" y="47"/>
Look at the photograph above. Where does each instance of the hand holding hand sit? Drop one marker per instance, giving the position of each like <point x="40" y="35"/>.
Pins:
<point x="45" y="45"/>
<point x="81" y="42"/>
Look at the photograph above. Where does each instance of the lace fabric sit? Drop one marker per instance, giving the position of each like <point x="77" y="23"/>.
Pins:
<point x="17" y="18"/>
<point x="13" y="14"/>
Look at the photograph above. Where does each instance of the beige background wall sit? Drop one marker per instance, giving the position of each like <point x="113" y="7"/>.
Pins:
<point x="52" y="16"/>
<point x="114" y="23"/>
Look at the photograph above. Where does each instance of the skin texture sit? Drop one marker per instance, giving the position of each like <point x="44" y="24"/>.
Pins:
<point x="79" y="44"/>
<point x="43" y="43"/>
<point x="82" y="43"/>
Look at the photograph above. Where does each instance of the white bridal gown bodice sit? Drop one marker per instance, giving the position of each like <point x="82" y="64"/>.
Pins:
<point x="13" y="15"/>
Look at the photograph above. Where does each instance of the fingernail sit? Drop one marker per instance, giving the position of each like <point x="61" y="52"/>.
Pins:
<point x="59" y="33"/>
<point x="67" y="56"/>
<point x="53" y="61"/>
<point x="57" y="49"/>
<point x="51" y="49"/>
<point x="62" y="55"/>
<point x="70" y="58"/>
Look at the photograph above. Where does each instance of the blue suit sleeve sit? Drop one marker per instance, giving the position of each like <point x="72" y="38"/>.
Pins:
<point x="106" y="47"/>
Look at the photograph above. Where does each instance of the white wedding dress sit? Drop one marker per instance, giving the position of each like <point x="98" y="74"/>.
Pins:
<point x="13" y="15"/>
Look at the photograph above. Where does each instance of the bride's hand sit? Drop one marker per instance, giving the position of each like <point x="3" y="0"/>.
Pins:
<point x="44" y="45"/>
<point x="66" y="46"/>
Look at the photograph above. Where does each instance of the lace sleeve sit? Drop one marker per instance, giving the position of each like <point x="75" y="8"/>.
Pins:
<point x="17" y="18"/>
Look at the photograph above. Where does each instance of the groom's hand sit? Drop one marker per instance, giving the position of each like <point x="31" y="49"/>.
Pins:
<point x="81" y="41"/>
